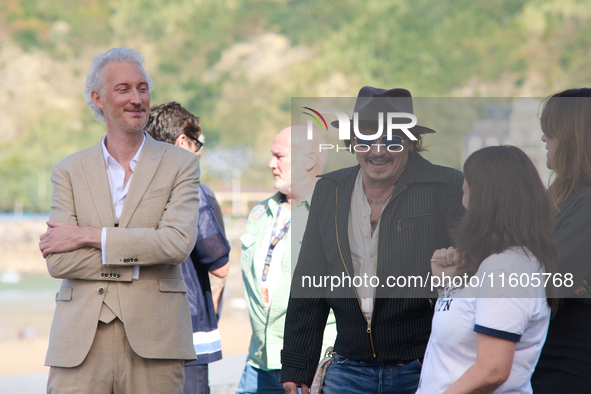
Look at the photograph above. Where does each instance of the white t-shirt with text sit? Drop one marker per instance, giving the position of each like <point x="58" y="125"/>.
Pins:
<point x="493" y="308"/>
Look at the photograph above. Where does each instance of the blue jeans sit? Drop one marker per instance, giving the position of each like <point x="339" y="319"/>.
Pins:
<point x="353" y="377"/>
<point x="256" y="380"/>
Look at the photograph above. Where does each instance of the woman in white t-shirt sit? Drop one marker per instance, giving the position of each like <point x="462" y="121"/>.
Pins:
<point x="490" y="323"/>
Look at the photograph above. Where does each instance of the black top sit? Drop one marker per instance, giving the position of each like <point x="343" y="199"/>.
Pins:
<point x="565" y="363"/>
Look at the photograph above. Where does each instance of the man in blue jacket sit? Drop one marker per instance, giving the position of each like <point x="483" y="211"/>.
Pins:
<point x="173" y="124"/>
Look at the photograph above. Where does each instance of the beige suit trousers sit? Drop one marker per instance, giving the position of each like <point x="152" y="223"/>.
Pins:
<point x="112" y="367"/>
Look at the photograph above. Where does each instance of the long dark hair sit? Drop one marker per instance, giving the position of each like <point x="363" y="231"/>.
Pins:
<point x="567" y="118"/>
<point x="508" y="206"/>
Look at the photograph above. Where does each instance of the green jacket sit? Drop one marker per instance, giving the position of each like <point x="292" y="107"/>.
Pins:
<point x="268" y="327"/>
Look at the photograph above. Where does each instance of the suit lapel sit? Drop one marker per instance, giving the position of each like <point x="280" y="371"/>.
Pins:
<point x="343" y="204"/>
<point x="145" y="169"/>
<point x="98" y="184"/>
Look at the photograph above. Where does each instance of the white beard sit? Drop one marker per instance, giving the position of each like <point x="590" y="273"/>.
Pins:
<point x="282" y="185"/>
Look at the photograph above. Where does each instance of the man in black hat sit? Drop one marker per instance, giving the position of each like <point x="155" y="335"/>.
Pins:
<point x="381" y="219"/>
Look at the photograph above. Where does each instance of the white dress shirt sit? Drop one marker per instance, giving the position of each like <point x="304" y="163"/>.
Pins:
<point x="364" y="245"/>
<point x="116" y="175"/>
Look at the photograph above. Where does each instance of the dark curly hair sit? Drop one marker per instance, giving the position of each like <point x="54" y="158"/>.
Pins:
<point x="168" y="121"/>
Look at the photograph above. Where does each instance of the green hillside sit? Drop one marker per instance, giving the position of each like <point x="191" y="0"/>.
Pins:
<point x="237" y="64"/>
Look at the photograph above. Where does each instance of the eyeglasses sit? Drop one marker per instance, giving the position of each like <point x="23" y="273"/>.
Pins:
<point x="396" y="140"/>
<point x="198" y="143"/>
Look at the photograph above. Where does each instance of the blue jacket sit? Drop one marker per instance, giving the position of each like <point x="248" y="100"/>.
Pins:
<point x="211" y="252"/>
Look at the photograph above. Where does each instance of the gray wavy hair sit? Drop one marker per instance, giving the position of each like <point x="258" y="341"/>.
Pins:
<point x="94" y="78"/>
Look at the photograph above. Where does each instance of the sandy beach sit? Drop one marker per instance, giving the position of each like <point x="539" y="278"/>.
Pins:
<point x="26" y="306"/>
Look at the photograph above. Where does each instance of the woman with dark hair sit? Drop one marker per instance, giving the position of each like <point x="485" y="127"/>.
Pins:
<point x="565" y="363"/>
<point x="488" y="327"/>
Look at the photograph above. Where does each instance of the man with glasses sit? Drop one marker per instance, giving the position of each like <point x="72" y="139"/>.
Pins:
<point x="217" y="284"/>
<point x="172" y="123"/>
<point x="381" y="219"/>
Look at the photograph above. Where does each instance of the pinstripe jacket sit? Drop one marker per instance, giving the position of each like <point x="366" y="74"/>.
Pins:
<point x="425" y="206"/>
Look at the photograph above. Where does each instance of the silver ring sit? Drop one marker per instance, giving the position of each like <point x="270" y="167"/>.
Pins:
<point x="433" y="260"/>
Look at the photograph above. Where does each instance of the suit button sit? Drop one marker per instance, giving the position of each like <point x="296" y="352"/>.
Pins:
<point x="135" y="260"/>
<point x="118" y="276"/>
<point x="103" y="275"/>
<point x="101" y="290"/>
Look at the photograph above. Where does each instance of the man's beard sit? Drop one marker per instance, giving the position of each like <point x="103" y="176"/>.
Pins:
<point x="134" y="125"/>
<point x="282" y="185"/>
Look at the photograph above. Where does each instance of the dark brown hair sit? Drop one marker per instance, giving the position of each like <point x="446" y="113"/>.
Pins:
<point x="508" y="206"/>
<point x="168" y="121"/>
<point x="567" y="118"/>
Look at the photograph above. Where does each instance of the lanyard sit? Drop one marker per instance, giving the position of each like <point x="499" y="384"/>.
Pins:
<point x="275" y="240"/>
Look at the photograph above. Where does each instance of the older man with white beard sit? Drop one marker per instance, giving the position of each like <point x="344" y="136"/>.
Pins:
<point x="267" y="252"/>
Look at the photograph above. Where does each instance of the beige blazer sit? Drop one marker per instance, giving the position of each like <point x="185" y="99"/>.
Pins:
<point x="157" y="230"/>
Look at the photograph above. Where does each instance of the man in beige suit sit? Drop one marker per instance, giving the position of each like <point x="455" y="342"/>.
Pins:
<point x="123" y="217"/>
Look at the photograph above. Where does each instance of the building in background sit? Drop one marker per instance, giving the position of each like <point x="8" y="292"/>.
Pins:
<point x="515" y="122"/>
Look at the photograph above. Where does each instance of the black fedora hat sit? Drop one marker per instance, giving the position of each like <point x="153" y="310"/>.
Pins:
<point x="371" y="101"/>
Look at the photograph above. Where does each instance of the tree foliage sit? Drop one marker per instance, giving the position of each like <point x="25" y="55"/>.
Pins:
<point x="237" y="63"/>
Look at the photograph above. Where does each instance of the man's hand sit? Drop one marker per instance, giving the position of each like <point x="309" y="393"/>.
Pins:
<point x="65" y="237"/>
<point x="292" y="388"/>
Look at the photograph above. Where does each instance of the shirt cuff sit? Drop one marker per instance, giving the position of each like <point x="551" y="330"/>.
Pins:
<point x="219" y="263"/>
<point x="104" y="245"/>
<point x="497" y="333"/>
